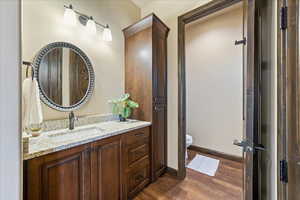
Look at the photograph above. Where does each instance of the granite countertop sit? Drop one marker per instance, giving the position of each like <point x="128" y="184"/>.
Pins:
<point x="61" y="139"/>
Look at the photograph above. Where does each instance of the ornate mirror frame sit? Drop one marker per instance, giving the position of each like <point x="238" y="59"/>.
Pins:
<point x="36" y="64"/>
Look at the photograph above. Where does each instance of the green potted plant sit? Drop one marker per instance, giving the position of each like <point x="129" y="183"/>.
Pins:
<point x="123" y="107"/>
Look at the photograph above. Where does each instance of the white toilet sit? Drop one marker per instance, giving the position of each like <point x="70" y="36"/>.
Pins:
<point x="189" y="142"/>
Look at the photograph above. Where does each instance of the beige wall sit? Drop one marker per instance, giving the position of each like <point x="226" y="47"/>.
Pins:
<point x="214" y="79"/>
<point x="169" y="11"/>
<point x="10" y="107"/>
<point x="43" y="24"/>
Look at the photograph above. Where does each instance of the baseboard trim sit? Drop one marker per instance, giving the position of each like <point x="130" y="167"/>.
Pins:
<point x="216" y="153"/>
<point x="172" y="171"/>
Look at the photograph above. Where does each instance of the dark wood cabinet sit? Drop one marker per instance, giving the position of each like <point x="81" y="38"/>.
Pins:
<point x="159" y="140"/>
<point x="106" y="169"/>
<point x="65" y="175"/>
<point x="136" y="160"/>
<point x="137" y="178"/>
<point x="146" y="81"/>
<point x="115" y="168"/>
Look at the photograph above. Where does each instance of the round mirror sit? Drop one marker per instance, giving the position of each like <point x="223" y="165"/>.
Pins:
<point x="65" y="76"/>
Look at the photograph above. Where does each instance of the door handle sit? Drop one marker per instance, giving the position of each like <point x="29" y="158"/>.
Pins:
<point x="260" y="147"/>
<point x="247" y="147"/>
<point x="244" y="144"/>
<point x="237" y="143"/>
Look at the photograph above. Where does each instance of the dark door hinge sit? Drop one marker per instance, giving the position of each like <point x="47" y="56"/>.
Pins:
<point x="283" y="171"/>
<point x="284" y="18"/>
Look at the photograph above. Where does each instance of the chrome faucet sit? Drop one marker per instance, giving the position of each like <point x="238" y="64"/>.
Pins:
<point x="72" y="120"/>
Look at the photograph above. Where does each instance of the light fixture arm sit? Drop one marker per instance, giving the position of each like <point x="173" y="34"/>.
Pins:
<point x="85" y="17"/>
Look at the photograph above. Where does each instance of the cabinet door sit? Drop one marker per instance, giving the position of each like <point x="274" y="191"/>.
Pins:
<point x="106" y="169"/>
<point x="160" y="66"/>
<point x="138" y="72"/>
<point x="59" y="176"/>
<point x="159" y="131"/>
<point x="159" y="140"/>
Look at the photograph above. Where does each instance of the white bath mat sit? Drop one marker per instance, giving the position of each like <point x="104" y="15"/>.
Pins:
<point x="204" y="165"/>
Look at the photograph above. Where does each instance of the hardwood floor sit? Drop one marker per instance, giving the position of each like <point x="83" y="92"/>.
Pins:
<point x="226" y="185"/>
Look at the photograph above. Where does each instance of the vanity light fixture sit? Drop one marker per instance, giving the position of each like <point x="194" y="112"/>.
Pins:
<point x="107" y="34"/>
<point x="70" y="16"/>
<point x="88" y="21"/>
<point x="91" y="26"/>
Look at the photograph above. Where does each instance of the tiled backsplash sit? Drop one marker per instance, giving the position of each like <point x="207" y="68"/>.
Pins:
<point x="64" y="123"/>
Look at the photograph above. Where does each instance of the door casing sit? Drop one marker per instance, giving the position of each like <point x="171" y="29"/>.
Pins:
<point x="288" y="98"/>
<point x="249" y="93"/>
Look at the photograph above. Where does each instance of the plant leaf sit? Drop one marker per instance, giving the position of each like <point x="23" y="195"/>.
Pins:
<point x="124" y="97"/>
<point x="115" y="109"/>
<point x="126" y="112"/>
<point x="132" y="104"/>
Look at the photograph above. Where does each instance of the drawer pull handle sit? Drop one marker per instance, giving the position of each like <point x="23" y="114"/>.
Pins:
<point x="139" y="134"/>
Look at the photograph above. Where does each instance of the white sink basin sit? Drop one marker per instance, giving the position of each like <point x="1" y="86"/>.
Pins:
<point x="69" y="135"/>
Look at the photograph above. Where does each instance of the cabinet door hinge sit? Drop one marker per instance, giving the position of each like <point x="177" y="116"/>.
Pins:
<point x="284" y="18"/>
<point x="283" y="171"/>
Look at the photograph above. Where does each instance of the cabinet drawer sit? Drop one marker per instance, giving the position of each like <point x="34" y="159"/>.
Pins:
<point x="136" y="153"/>
<point x="137" y="137"/>
<point x="138" y="177"/>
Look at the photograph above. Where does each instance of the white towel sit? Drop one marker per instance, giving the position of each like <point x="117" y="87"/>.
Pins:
<point x="32" y="109"/>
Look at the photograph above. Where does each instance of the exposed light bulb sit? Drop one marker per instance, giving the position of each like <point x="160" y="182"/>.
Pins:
<point x="107" y="34"/>
<point x="91" y="26"/>
<point x="70" y="16"/>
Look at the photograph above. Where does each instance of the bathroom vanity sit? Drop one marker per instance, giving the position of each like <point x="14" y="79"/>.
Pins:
<point x="108" y="160"/>
<point x="101" y="159"/>
<point x="93" y="157"/>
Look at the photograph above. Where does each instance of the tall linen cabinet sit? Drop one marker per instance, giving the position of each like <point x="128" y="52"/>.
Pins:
<point x="146" y="82"/>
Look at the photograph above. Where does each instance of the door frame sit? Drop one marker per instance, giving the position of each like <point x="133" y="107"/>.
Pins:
<point x="183" y="20"/>
<point x="288" y="96"/>
<point x="207" y="9"/>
